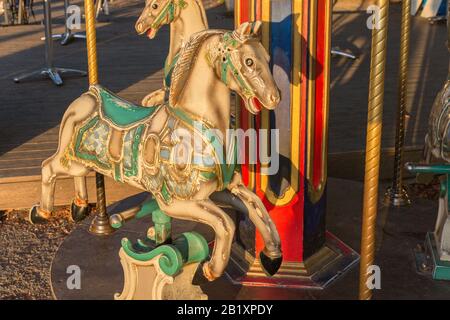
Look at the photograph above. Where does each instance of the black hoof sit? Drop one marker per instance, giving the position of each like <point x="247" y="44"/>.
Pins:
<point x="199" y="279"/>
<point x="78" y="213"/>
<point x="270" y="265"/>
<point x="35" y="218"/>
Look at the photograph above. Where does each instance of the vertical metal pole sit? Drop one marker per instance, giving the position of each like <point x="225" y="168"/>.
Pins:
<point x="48" y="35"/>
<point x="373" y="145"/>
<point x="100" y="225"/>
<point x="396" y="195"/>
<point x="20" y="14"/>
<point x="6" y="11"/>
<point x="448" y="30"/>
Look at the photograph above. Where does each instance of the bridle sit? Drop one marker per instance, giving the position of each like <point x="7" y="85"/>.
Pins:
<point x="167" y="14"/>
<point x="229" y="60"/>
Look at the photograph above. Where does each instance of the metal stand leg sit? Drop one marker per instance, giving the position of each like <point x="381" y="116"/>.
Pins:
<point x="101" y="6"/>
<point x="337" y="52"/>
<point x="100" y="225"/>
<point x="49" y="70"/>
<point x="6" y="11"/>
<point x="21" y="10"/>
<point x="396" y="195"/>
<point x="68" y="36"/>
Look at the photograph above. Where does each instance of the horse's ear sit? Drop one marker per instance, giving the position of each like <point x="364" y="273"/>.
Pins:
<point x="244" y="29"/>
<point x="256" y="27"/>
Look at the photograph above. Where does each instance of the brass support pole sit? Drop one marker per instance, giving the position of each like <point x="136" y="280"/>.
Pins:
<point x="373" y="145"/>
<point x="396" y="195"/>
<point x="100" y="225"/>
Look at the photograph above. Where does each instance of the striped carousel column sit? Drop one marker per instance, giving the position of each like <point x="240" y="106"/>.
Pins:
<point x="297" y="35"/>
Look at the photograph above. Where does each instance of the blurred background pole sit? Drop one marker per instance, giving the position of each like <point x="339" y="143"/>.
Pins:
<point x="373" y="144"/>
<point x="396" y="195"/>
<point x="100" y="225"/>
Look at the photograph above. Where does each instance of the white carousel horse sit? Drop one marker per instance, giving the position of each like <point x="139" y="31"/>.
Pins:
<point x="210" y="65"/>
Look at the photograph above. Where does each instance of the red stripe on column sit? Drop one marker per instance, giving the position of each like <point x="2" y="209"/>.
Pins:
<point x="304" y="99"/>
<point x="319" y="94"/>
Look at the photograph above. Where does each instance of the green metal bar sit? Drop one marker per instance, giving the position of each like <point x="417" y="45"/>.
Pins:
<point x="426" y="168"/>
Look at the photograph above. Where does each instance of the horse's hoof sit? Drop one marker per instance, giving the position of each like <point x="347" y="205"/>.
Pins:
<point x="207" y="272"/>
<point x="78" y="213"/>
<point x="270" y="265"/>
<point x="35" y="218"/>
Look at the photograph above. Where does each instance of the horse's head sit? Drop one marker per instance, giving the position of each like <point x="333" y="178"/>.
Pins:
<point x="156" y="14"/>
<point x="242" y="64"/>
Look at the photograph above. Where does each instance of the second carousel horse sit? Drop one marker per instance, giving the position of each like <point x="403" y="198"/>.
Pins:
<point x="185" y="17"/>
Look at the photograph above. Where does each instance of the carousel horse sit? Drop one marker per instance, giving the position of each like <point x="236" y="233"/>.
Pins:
<point x="180" y="173"/>
<point x="185" y="17"/>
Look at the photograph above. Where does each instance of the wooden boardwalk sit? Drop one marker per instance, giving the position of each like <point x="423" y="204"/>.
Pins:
<point x="131" y="66"/>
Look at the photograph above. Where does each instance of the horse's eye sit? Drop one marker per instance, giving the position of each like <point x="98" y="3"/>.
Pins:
<point x="249" y="62"/>
<point x="155" y="6"/>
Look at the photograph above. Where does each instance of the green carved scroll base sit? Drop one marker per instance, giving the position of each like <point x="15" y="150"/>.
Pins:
<point x="190" y="247"/>
<point x="162" y="225"/>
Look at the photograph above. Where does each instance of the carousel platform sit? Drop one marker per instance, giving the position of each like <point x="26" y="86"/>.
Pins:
<point x="399" y="232"/>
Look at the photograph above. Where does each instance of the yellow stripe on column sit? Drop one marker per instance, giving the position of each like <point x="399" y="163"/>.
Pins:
<point x="296" y="92"/>
<point x="311" y="93"/>
<point x="237" y="13"/>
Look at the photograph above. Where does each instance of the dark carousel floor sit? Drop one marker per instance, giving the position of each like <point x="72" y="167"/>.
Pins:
<point x="399" y="232"/>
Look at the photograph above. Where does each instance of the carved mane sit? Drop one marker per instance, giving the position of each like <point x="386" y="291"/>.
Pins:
<point x="186" y="60"/>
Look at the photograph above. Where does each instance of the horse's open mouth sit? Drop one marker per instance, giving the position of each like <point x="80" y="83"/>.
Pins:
<point x="151" y="33"/>
<point x="255" y="105"/>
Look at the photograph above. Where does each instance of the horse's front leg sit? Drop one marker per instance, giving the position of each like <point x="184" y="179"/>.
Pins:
<point x="205" y="211"/>
<point x="271" y="256"/>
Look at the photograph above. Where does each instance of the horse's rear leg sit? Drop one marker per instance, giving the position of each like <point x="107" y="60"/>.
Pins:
<point x="271" y="256"/>
<point x="78" y="111"/>
<point x="51" y="169"/>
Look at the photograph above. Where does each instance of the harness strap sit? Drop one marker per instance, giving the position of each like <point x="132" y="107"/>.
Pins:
<point x="169" y="8"/>
<point x="228" y="64"/>
<point x="168" y="69"/>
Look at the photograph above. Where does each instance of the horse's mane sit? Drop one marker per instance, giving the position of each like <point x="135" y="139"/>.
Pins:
<point x="186" y="60"/>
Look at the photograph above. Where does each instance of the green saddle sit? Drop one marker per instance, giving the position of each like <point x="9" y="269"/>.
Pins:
<point x="120" y="112"/>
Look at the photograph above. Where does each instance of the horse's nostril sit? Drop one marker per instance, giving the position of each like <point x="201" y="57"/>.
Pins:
<point x="274" y="98"/>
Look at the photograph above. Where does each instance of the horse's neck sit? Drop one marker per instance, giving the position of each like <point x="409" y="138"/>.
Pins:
<point x="205" y="96"/>
<point x="190" y="21"/>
